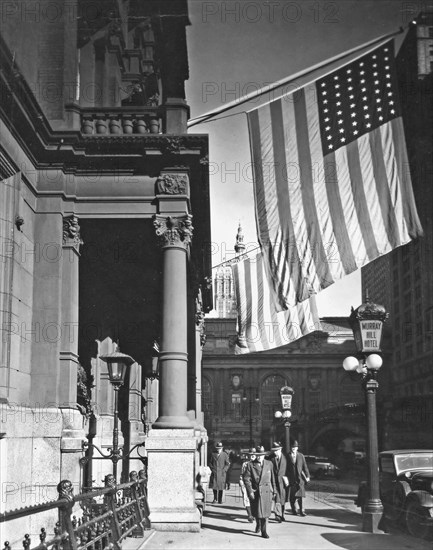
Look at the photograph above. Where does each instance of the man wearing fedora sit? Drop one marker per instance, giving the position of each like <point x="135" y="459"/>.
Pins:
<point x="280" y="470"/>
<point x="259" y="479"/>
<point x="298" y="474"/>
<point x="219" y="464"/>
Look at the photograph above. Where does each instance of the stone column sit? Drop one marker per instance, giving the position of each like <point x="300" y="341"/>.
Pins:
<point x="175" y="235"/>
<point x="67" y="383"/>
<point x="171" y="444"/>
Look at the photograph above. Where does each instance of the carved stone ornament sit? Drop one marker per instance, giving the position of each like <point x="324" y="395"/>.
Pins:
<point x="172" y="144"/>
<point x="71" y="231"/>
<point x="200" y="322"/>
<point x="174" y="231"/>
<point x="172" y="184"/>
<point x="65" y="490"/>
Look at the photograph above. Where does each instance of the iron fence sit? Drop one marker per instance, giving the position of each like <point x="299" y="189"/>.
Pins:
<point x="102" y="520"/>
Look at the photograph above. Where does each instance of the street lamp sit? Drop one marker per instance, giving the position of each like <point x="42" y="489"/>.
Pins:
<point x="367" y="323"/>
<point x="117" y="364"/>
<point x="250" y="417"/>
<point x="286" y="394"/>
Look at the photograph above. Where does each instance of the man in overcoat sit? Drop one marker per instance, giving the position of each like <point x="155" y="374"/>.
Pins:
<point x="219" y="464"/>
<point x="259" y="479"/>
<point x="280" y="470"/>
<point x="298" y="475"/>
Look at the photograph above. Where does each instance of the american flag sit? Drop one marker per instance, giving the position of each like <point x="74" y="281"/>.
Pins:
<point x="332" y="183"/>
<point x="260" y="326"/>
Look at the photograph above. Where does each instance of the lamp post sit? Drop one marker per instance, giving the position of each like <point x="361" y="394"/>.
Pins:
<point x="117" y="364"/>
<point x="250" y="416"/>
<point x="367" y="323"/>
<point x="286" y="394"/>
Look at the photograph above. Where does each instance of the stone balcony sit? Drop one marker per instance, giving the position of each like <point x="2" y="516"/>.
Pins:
<point x="122" y="120"/>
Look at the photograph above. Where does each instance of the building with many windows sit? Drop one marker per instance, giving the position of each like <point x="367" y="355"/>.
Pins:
<point x="403" y="280"/>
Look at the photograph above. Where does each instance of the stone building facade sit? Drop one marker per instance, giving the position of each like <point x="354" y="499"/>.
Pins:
<point x="104" y="225"/>
<point x="241" y="392"/>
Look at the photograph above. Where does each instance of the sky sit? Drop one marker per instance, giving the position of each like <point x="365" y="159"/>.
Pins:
<point x="237" y="47"/>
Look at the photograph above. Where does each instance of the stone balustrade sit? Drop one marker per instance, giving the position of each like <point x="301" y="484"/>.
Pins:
<point x="120" y="121"/>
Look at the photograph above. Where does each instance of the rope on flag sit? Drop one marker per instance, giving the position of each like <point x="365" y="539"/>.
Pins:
<point x="331" y="176"/>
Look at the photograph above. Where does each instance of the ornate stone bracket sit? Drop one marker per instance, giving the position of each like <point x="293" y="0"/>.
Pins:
<point x="71" y="232"/>
<point x="174" y="231"/>
<point x="172" y="184"/>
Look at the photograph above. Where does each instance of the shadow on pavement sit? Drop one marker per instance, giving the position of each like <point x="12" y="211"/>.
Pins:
<point x="374" y="541"/>
<point x="228" y="530"/>
<point x="352" y="521"/>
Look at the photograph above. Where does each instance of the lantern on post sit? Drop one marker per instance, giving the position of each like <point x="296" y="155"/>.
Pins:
<point x="367" y="323"/>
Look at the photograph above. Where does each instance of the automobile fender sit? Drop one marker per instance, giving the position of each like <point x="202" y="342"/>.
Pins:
<point x="422" y="497"/>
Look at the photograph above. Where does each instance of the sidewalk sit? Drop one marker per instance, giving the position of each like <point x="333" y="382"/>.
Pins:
<point x="225" y="526"/>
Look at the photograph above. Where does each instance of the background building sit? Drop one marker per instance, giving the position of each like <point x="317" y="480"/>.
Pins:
<point x="403" y="280"/>
<point x="241" y="392"/>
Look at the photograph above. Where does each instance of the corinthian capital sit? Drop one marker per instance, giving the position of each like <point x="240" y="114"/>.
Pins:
<point x="174" y="231"/>
<point x="71" y="231"/>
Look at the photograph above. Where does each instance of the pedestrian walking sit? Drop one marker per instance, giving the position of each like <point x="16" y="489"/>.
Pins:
<point x="250" y="456"/>
<point x="219" y="464"/>
<point x="298" y="475"/>
<point x="280" y="470"/>
<point x="259" y="479"/>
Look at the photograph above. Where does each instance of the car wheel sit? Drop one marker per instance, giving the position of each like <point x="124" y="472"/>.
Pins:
<point x="416" y="519"/>
<point x="398" y="498"/>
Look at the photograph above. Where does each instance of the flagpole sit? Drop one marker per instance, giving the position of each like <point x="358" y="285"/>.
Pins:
<point x="257" y="93"/>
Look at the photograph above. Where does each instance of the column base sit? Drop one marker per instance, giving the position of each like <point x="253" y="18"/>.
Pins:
<point x="372" y="517"/>
<point x="171" y="480"/>
<point x="176" y="520"/>
<point x="172" y="423"/>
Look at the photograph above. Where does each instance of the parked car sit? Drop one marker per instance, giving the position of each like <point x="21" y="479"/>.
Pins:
<point x="406" y="489"/>
<point x="320" y="467"/>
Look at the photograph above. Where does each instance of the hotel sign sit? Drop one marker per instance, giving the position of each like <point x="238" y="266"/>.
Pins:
<point x="370" y="336"/>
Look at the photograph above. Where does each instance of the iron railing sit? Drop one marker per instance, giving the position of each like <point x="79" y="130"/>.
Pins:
<point x="105" y="517"/>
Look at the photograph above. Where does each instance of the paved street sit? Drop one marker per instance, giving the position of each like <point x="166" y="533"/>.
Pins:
<point x="332" y="522"/>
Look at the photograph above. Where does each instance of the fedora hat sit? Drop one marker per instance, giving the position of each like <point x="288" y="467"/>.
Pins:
<point x="294" y="444"/>
<point x="219" y="445"/>
<point x="260" y="451"/>
<point x="276" y="445"/>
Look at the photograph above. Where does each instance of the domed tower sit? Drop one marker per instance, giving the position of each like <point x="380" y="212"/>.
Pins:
<point x="240" y="246"/>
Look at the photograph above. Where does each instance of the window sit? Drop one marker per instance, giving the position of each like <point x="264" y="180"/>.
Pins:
<point x="236" y="406"/>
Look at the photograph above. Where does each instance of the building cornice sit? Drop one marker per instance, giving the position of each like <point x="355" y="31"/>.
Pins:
<point x="74" y="152"/>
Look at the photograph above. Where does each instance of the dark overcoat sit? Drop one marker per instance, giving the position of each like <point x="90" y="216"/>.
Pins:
<point x="296" y="479"/>
<point x="219" y="464"/>
<point x="280" y="470"/>
<point x="260" y="482"/>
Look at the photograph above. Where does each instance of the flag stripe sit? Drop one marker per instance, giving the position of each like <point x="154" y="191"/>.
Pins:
<point x="386" y="205"/>
<point x="393" y="180"/>
<point x="332" y="254"/>
<point x="409" y="208"/>
<point x="310" y="212"/>
<point x="351" y="221"/>
<point x="343" y="242"/>
<point x="360" y="201"/>
<point x="369" y="184"/>
<point x="259" y="191"/>
<point x="287" y="251"/>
